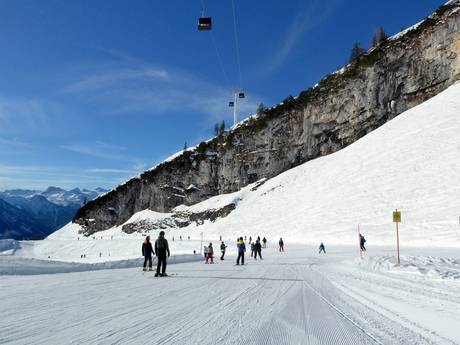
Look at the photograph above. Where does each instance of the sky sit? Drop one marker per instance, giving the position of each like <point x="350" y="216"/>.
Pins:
<point x="93" y="92"/>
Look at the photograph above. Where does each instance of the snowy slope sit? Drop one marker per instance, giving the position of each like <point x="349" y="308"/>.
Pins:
<point x="411" y="163"/>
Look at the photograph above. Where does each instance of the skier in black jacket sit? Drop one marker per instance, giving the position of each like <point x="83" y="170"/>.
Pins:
<point x="222" y="250"/>
<point x="147" y="252"/>
<point x="257" y="249"/>
<point x="161" y="249"/>
<point x="362" y="240"/>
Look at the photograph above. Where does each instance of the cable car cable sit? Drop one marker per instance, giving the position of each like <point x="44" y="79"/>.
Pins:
<point x="213" y="40"/>
<point x="219" y="58"/>
<point x="202" y="8"/>
<point x="236" y="43"/>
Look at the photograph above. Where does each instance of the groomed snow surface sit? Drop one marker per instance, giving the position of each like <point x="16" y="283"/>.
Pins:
<point x="298" y="297"/>
<point x="295" y="297"/>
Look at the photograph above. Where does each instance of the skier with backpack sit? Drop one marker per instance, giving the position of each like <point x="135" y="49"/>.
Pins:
<point x="147" y="252"/>
<point x="241" y="249"/>
<point x="362" y="241"/>
<point x="210" y="255"/>
<point x="264" y="242"/>
<point x="322" y="248"/>
<point x="257" y="250"/>
<point x="161" y="250"/>
<point x="281" y="244"/>
<point x="252" y="249"/>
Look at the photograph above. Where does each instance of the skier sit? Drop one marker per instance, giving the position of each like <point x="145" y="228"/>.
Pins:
<point x="281" y="243"/>
<point x="362" y="240"/>
<point x="264" y="242"/>
<point x="205" y="251"/>
<point x="252" y="249"/>
<point x="210" y="254"/>
<point x="250" y="239"/>
<point x="222" y="249"/>
<point x="322" y="248"/>
<point x="161" y="249"/>
<point x="257" y="250"/>
<point x="147" y="252"/>
<point x="241" y="249"/>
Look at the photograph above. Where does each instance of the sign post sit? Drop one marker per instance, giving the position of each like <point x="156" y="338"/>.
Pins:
<point x="201" y="244"/>
<point x="397" y="220"/>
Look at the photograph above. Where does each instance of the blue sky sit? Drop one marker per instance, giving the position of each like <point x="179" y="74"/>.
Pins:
<point x="93" y="91"/>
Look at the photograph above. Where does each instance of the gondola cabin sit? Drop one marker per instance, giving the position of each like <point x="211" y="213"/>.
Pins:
<point x="241" y="95"/>
<point x="204" y="23"/>
<point x="231" y="104"/>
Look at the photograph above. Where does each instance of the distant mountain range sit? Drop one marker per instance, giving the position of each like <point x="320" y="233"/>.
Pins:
<point x="33" y="214"/>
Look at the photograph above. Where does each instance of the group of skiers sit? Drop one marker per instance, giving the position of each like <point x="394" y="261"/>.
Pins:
<point x="161" y="250"/>
<point x="209" y="252"/>
<point x="256" y="248"/>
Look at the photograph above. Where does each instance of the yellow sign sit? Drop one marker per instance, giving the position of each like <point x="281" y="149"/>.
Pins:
<point x="396" y="217"/>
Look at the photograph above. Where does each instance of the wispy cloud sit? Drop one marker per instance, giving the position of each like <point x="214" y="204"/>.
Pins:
<point x="14" y="143"/>
<point x="309" y="17"/>
<point x="40" y="177"/>
<point x="111" y="171"/>
<point x="20" y="114"/>
<point x="106" y="151"/>
<point x="122" y="75"/>
<point x="132" y="86"/>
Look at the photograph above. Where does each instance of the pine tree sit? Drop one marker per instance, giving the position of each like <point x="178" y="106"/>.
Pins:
<point x="222" y="128"/>
<point x="260" y="109"/>
<point x="216" y="129"/>
<point x="185" y="146"/>
<point x="356" y="52"/>
<point x="379" y="37"/>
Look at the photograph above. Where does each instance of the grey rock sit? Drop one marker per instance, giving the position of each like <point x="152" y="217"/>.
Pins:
<point x="175" y="221"/>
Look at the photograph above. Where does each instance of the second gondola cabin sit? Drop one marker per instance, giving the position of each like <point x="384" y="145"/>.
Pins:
<point x="241" y="95"/>
<point x="231" y="104"/>
<point x="204" y="23"/>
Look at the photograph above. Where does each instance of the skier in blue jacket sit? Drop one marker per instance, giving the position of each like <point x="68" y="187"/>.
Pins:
<point x="241" y="249"/>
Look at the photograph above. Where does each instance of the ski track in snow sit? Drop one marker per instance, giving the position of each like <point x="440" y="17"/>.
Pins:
<point x="288" y="298"/>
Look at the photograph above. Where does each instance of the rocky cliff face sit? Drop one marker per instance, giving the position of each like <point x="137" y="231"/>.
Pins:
<point x="403" y="72"/>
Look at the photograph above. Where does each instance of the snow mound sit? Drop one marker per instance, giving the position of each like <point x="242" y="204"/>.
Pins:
<point x="424" y="266"/>
<point x="29" y="266"/>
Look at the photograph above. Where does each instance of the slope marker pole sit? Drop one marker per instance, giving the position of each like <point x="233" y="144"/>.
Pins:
<point x="201" y="245"/>
<point x="397" y="219"/>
